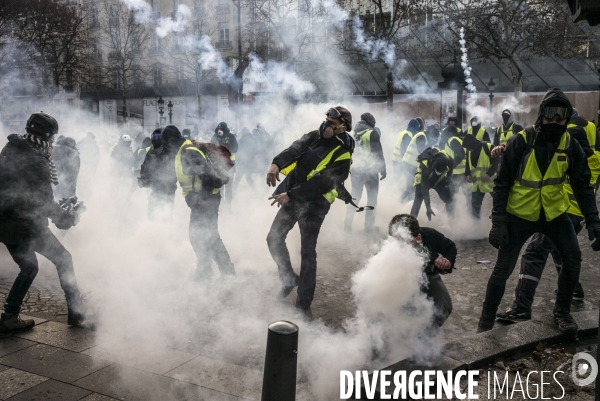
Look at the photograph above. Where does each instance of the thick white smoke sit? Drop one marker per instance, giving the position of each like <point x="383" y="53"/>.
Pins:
<point x="465" y="62"/>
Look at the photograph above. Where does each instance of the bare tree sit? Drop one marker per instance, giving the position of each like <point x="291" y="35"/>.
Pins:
<point x="124" y="39"/>
<point x="512" y="31"/>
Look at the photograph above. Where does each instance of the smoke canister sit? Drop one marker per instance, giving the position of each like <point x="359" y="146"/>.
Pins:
<point x="281" y="361"/>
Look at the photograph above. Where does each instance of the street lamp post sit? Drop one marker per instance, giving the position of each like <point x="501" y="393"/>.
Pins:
<point x="491" y="86"/>
<point x="170" y="107"/>
<point x="598" y="123"/>
<point x="161" y="108"/>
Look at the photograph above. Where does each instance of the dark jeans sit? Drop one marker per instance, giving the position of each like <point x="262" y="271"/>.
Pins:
<point x="533" y="263"/>
<point x="47" y="245"/>
<point x="206" y="240"/>
<point x="408" y="171"/>
<point x="561" y="232"/>
<point x="442" y="303"/>
<point x="371" y="182"/>
<point x="476" y="202"/>
<point x="444" y="191"/>
<point x="160" y="205"/>
<point x="310" y="216"/>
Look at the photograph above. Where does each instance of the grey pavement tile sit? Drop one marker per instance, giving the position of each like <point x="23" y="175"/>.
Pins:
<point x="37" y="320"/>
<point x="220" y="376"/>
<point x="51" y="390"/>
<point x="97" y="397"/>
<point x="2" y="367"/>
<point x="12" y="344"/>
<point x="124" y="382"/>
<point x="55" y="363"/>
<point x="61" y="336"/>
<point x="15" y="381"/>
<point x="152" y="360"/>
<point x="587" y="321"/>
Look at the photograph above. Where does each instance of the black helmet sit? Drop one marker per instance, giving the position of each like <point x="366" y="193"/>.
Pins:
<point x="43" y="125"/>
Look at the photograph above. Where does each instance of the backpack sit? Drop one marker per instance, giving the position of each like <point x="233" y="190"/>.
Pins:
<point x="219" y="157"/>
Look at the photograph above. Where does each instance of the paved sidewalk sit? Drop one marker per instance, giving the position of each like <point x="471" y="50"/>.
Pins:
<point x="55" y="361"/>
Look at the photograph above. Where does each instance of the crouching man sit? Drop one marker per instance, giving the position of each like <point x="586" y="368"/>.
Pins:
<point x="440" y="256"/>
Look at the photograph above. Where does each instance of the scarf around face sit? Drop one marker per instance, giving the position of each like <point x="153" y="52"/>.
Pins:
<point x="45" y="148"/>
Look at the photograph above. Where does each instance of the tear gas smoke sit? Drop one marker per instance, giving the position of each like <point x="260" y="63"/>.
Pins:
<point x="465" y="62"/>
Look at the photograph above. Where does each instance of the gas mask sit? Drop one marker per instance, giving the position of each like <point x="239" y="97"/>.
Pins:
<point x="220" y="132"/>
<point x="553" y="131"/>
<point x="327" y="130"/>
<point x="437" y="172"/>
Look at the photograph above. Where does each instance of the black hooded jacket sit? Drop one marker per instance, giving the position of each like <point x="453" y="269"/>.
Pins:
<point x="26" y="198"/>
<point x="516" y="149"/>
<point x="227" y="139"/>
<point x="308" y="152"/>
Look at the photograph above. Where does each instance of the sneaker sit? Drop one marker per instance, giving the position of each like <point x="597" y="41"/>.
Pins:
<point x="565" y="323"/>
<point x="578" y="295"/>
<point x="11" y="323"/>
<point x="485" y="325"/>
<point x="287" y="288"/>
<point x="512" y="315"/>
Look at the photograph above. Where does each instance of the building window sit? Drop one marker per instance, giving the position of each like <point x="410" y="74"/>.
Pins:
<point x="137" y="75"/>
<point x="179" y="76"/>
<point x="224" y="33"/>
<point x="113" y="18"/>
<point x="116" y="76"/>
<point x="69" y="80"/>
<point x="176" y="4"/>
<point x="157" y="75"/>
<point x="156" y="6"/>
<point x="156" y="46"/>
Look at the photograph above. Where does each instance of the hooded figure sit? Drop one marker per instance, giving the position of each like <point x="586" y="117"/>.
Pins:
<point x="530" y="198"/>
<point x="305" y="198"/>
<point x="507" y="129"/>
<point x="67" y="162"/>
<point x="434" y="172"/>
<point x="224" y="137"/>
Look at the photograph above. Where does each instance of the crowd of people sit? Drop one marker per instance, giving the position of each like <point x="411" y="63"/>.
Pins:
<point x="542" y="180"/>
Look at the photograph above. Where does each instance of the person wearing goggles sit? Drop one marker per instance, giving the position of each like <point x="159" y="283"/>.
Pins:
<point x="315" y="166"/>
<point x="530" y="197"/>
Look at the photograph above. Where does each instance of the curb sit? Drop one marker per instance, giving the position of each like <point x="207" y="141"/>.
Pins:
<point x="479" y="350"/>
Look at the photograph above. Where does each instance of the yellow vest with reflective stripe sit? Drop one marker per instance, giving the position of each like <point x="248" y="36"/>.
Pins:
<point x="412" y="152"/>
<point x="593" y="160"/>
<point x="363" y="158"/>
<point x="574" y="209"/>
<point x="188" y="183"/>
<point x="418" y="175"/>
<point x="331" y="195"/>
<point x="477" y="172"/>
<point x="397" y="157"/>
<point x="479" y="135"/>
<point x="461" y="168"/>
<point x="531" y="191"/>
<point x="503" y="137"/>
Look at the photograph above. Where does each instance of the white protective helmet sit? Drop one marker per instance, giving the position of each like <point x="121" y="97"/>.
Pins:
<point x="125" y="138"/>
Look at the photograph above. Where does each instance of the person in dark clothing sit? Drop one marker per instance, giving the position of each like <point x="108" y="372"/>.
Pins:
<point x="66" y="159"/>
<point x="224" y="137"/>
<point x="434" y="172"/>
<point x="451" y="122"/>
<point x="433" y="135"/>
<point x="536" y="254"/>
<point x="480" y="170"/>
<point x="507" y="129"/>
<point x="27" y="174"/>
<point x="477" y="130"/>
<point x="158" y="174"/>
<point x="122" y="159"/>
<point x="247" y="158"/>
<point x="368" y="164"/>
<point x="315" y="166"/>
<point x="530" y="197"/>
<point x="200" y="185"/>
<point x="402" y="142"/>
<point x="440" y="256"/>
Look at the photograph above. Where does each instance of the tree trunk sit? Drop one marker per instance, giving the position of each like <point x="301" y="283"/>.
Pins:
<point x="390" y="91"/>
<point x="124" y="109"/>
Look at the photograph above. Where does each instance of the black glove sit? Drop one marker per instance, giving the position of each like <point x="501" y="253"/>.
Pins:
<point x="383" y="175"/>
<point x="499" y="233"/>
<point x="429" y="213"/>
<point x="592" y="223"/>
<point x="66" y="221"/>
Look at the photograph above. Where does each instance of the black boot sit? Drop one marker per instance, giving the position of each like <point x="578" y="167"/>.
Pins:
<point x="485" y="324"/>
<point x="11" y="323"/>
<point x="565" y="322"/>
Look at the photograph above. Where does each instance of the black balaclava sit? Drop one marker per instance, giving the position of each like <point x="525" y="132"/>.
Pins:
<point x="156" y="138"/>
<point x="470" y="142"/>
<point x="507" y="118"/>
<point x="476" y="125"/>
<point x="171" y="138"/>
<point x="553" y="131"/>
<point x="554" y="97"/>
<point x="440" y="164"/>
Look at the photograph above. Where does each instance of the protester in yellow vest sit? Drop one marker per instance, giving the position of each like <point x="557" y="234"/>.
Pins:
<point x="480" y="171"/>
<point x="593" y="138"/>
<point x="315" y="166"/>
<point x="477" y="130"/>
<point x="540" y="246"/>
<point x="530" y="197"/>
<point x="451" y="122"/>
<point x="434" y="172"/>
<point x="200" y="185"/>
<point x="367" y="164"/>
<point x="402" y="142"/>
<point x="417" y="145"/>
<point x="507" y="129"/>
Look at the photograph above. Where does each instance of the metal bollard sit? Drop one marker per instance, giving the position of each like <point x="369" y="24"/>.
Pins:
<point x="281" y="360"/>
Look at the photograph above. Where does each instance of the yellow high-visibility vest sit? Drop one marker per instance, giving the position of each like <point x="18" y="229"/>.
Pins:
<point x="479" y="135"/>
<point x="477" y="172"/>
<point x="188" y="183"/>
<point x="397" y="157"/>
<point x="461" y="168"/>
<point x="331" y="195"/>
<point x="363" y="157"/>
<point x="531" y="190"/>
<point x="418" y="175"/>
<point x="504" y="136"/>
<point x="412" y="152"/>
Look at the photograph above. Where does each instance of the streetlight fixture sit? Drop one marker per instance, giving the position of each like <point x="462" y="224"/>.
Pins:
<point x="170" y="107"/>
<point x="491" y="86"/>
<point x="161" y="106"/>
